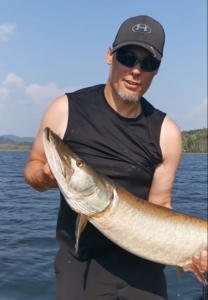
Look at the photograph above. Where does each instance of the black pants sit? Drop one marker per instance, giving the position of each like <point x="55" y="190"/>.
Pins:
<point x="107" y="279"/>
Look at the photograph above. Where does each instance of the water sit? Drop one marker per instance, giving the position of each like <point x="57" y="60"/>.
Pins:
<point x="28" y="221"/>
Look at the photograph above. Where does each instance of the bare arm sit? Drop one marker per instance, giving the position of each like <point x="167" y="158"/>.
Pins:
<point x="160" y="192"/>
<point x="171" y="146"/>
<point x="36" y="171"/>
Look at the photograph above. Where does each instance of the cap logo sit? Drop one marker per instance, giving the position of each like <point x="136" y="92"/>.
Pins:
<point x="141" y="28"/>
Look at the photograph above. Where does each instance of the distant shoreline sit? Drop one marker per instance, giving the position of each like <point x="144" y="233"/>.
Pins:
<point x="192" y="153"/>
<point x="28" y="150"/>
<point x="14" y="150"/>
<point x="193" y="142"/>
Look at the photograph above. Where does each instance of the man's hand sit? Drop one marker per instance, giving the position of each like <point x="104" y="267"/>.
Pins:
<point x="39" y="176"/>
<point x="48" y="177"/>
<point x="201" y="261"/>
<point x="47" y="172"/>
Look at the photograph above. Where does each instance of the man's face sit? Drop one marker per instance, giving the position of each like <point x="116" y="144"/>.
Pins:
<point x="129" y="84"/>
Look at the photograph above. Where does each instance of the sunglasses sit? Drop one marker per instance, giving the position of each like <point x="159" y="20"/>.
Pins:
<point x="129" y="60"/>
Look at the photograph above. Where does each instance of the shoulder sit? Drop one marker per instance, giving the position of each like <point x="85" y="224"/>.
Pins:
<point x="57" y="113"/>
<point x="58" y="109"/>
<point x="56" y="116"/>
<point x="170" y="140"/>
<point x="59" y="103"/>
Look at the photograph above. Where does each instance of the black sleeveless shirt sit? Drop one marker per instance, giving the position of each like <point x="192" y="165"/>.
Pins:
<point x="124" y="149"/>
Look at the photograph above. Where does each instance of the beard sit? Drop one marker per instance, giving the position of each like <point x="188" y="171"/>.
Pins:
<point x="127" y="97"/>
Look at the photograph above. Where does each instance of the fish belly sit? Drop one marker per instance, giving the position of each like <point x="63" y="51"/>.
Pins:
<point x="153" y="233"/>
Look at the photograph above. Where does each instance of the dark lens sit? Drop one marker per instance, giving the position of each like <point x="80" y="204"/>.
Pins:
<point x="149" y="64"/>
<point x="130" y="60"/>
<point x="126" y="59"/>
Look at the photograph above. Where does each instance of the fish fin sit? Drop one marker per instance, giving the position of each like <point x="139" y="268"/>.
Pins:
<point x="80" y="225"/>
<point x="195" y="269"/>
<point x="179" y="269"/>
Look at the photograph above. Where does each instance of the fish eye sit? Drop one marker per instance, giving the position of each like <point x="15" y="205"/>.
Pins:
<point x="79" y="163"/>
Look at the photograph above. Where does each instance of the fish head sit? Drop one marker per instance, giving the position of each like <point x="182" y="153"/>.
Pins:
<point x="84" y="189"/>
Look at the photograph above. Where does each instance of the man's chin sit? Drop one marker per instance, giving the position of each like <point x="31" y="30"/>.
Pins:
<point x="128" y="97"/>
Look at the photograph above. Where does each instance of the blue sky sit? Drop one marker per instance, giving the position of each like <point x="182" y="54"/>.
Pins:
<point x="48" y="48"/>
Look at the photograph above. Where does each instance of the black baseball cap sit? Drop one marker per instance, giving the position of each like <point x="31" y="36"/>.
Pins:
<point x="141" y="31"/>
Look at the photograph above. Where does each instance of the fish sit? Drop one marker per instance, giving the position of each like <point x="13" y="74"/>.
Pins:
<point x="145" y="229"/>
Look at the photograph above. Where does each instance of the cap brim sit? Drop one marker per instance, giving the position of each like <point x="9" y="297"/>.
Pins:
<point x="132" y="43"/>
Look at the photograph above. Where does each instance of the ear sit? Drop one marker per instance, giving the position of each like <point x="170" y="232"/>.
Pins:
<point x="109" y="56"/>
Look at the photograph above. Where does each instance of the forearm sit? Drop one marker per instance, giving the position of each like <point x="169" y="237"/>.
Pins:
<point x="36" y="178"/>
<point x="162" y="200"/>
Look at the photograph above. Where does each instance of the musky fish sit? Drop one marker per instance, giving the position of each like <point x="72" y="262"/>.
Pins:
<point x="167" y="236"/>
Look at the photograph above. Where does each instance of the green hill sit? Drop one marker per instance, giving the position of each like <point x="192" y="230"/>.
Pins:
<point x="9" y="142"/>
<point x="17" y="139"/>
<point x="195" y="141"/>
<point x="11" y="146"/>
<point x="5" y="140"/>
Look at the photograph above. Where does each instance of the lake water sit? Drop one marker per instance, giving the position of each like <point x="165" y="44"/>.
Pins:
<point x="28" y="221"/>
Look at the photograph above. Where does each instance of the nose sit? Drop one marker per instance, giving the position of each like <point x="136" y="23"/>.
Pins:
<point x="136" y="70"/>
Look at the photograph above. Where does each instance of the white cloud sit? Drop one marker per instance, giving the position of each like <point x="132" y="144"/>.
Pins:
<point x="43" y="95"/>
<point x="13" y="80"/>
<point x="6" y="31"/>
<point x="3" y="92"/>
<point x="22" y="107"/>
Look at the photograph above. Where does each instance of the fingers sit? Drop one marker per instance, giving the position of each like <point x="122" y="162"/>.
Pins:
<point x="201" y="261"/>
<point x="47" y="171"/>
<point x="196" y="259"/>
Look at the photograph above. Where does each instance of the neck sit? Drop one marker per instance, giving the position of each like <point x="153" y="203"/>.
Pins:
<point x="124" y="108"/>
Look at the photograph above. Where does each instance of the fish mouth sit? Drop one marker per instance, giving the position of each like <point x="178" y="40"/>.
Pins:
<point x="59" y="156"/>
<point x="47" y="133"/>
<point x="55" y="142"/>
<point x="51" y="137"/>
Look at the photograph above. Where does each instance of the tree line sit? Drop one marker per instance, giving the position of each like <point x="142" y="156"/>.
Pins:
<point x="195" y="141"/>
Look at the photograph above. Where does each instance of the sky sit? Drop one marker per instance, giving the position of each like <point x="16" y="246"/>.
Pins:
<point x="48" y="48"/>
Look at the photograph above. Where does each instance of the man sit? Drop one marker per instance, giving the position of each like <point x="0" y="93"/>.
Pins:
<point x="123" y="136"/>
